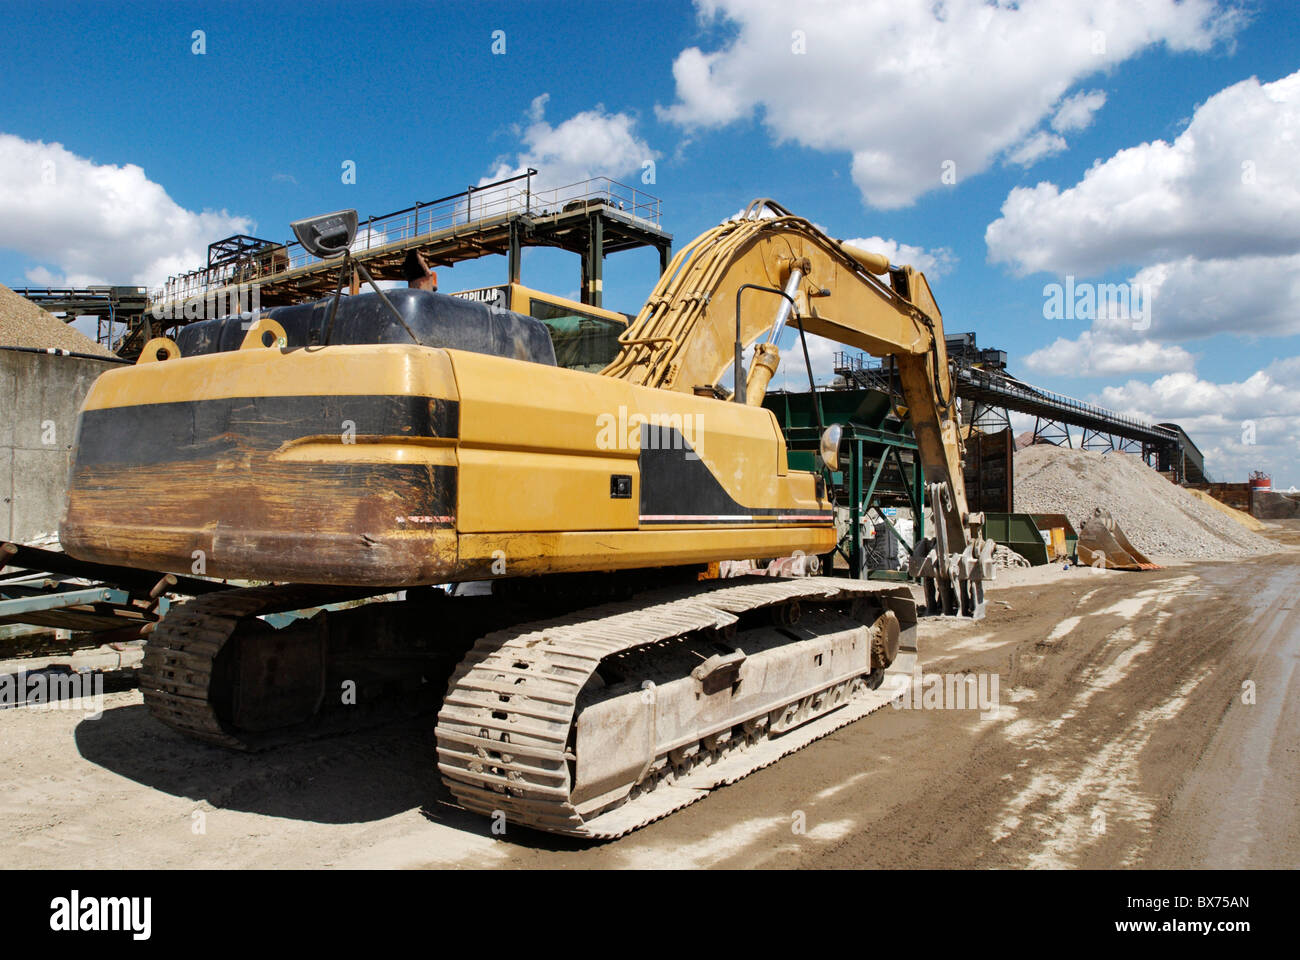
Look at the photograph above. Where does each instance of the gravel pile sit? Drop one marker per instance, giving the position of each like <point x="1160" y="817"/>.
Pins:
<point x="1160" y="519"/>
<point x="24" y="324"/>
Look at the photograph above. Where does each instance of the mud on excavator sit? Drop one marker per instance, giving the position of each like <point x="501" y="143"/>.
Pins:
<point x="353" y="454"/>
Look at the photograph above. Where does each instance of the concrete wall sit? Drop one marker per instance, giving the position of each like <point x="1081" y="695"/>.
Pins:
<point x="40" y="395"/>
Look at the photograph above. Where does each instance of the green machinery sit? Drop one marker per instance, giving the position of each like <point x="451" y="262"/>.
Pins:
<point x="1038" y="537"/>
<point x="880" y="470"/>
<point x="877" y="457"/>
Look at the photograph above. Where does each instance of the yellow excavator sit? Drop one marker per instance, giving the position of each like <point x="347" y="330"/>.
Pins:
<point x="353" y="457"/>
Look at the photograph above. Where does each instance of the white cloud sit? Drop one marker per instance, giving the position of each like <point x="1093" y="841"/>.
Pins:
<point x="1077" y="112"/>
<point x="1285" y="370"/>
<point x="593" y="143"/>
<point x="1239" y="426"/>
<point x="1184" y="396"/>
<point x="86" y="222"/>
<point x="1248" y="296"/>
<point x="537" y="108"/>
<point x="1037" y="146"/>
<point x="1095" y="354"/>
<point x="933" y="263"/>
<point x="905" y="85"/>
<point x="1228" y="186"/>
<point x="1214" y="219"/>
<point x="1072" y="114"/>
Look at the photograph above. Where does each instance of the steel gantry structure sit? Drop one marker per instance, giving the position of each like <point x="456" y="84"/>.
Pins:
<point x="991" y="393"/>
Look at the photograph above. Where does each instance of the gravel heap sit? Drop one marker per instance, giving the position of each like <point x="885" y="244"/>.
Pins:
<point x="24" y="324"/>
<point x="1160" y="519"/>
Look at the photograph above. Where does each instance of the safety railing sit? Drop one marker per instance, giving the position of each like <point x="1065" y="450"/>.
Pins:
<point x="1007" y="387"/>
<point x="476" y="206"/>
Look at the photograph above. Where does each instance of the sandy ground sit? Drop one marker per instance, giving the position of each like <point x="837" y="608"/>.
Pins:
<point x="1126" y="736"/>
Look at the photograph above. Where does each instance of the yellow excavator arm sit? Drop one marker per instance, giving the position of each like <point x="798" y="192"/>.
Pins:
<point x="749" y="277"/>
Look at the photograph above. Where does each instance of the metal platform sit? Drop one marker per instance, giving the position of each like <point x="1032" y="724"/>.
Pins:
<point x="592" y="219"/>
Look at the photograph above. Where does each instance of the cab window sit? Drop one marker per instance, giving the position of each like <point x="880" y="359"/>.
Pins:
<point x="582" y="342"/>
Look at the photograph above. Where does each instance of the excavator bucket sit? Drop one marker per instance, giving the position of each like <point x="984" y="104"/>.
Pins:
<point x="1102" y="543"/>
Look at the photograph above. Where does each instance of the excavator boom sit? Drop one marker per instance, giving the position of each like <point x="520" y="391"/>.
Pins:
<point x="694" y="325"/>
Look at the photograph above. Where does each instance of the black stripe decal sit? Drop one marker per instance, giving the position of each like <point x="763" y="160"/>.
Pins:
<point x="158" y="433"/>
<point x="677" y="487"/>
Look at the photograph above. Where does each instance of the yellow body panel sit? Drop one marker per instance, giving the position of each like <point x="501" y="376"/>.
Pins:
<point x="527" y="554"/>
<point x="538" y="445"/>
<point x="391" y="369"/>
<point x="397" y="465"/>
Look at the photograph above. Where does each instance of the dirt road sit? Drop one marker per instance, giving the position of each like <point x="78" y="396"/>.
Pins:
<point x="1144" y="719"/>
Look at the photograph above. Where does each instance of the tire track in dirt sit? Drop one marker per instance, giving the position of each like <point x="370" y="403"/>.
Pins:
<point x="1107" y="717"/>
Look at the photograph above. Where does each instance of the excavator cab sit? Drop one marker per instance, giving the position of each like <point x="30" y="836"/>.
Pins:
<point x="585" y="337"/>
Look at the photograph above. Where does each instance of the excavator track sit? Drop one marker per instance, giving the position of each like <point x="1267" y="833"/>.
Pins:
<point x="183" y="677"/>
<point x="560" y="725"/>
<point x="535" y="725"/>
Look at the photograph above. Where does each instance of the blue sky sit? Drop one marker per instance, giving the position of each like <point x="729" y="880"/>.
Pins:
<point x="851" y="134"/>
